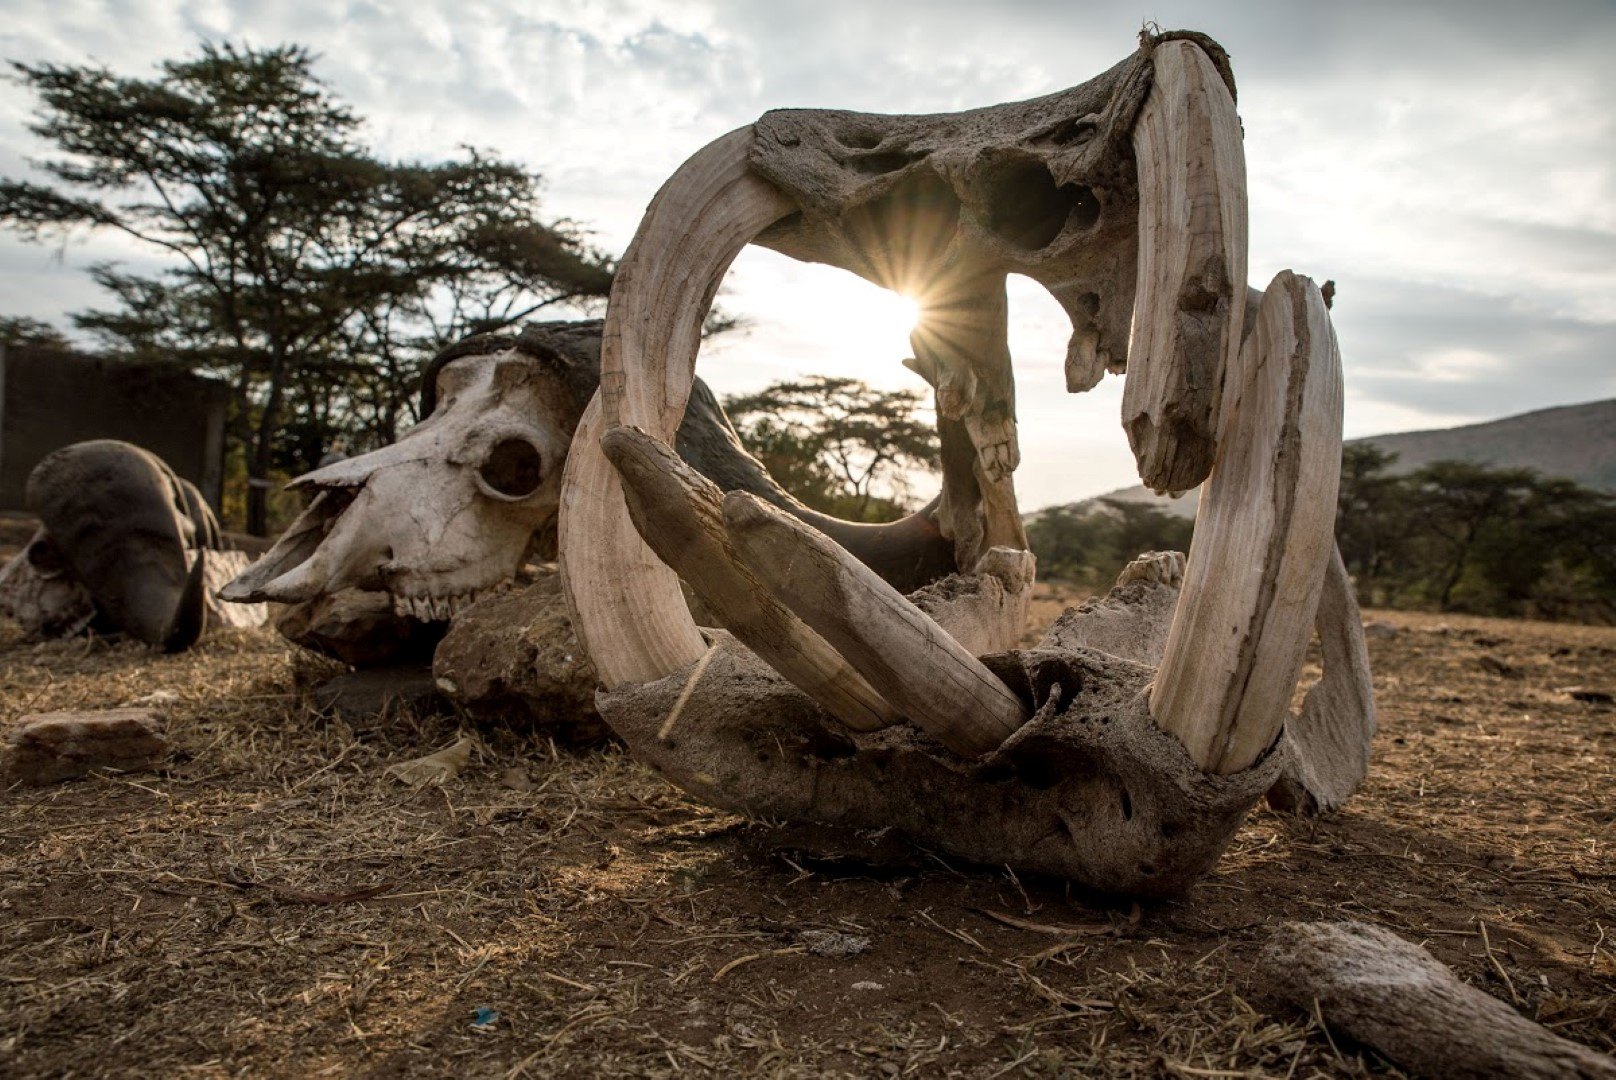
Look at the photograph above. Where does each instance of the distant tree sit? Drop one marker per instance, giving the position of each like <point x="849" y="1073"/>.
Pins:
<point x="838" y="443"/>
<point x="1089" y="543"/>
<point x="1371" y="508"/>
<point x="312" y="276"/>
<point x="23" y="330"/>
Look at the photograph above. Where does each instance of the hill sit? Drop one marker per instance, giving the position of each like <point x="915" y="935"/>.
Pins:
<point x="1574" y="441"/>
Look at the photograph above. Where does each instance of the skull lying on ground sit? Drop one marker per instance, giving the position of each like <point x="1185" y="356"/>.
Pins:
<point x="1122" y="752"/>
<point x="452" y="510"/>
<point x="124" y="546"/>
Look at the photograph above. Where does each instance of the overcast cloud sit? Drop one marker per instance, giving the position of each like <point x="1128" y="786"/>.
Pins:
<point x="1452" y="166"/>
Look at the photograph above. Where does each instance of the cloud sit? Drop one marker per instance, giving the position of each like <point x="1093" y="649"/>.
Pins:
<point x="1452" y="166"/>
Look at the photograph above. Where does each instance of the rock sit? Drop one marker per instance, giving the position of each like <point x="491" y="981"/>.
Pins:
<point x="1495" y="666"/>
<point x="515" y="656"/>
<point x="1385" y="631"/>
<point x="834" y="943"/>
<point x="360" y="629"/>
<point x="1584" y="693"/>
<point x="47" y="747"/>
<point x="367" y="695"/>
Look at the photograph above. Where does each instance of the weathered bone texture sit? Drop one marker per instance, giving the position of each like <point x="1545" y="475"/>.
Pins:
<point x="1376" y="988"/>
<point x="1326" y="747"/>
<point x="626" y="604"/>
<point x="680" y="515"/>
<point x="911" y="661"/>
<point x="985" y="611"/>
<point x="125" y="546"/>
<point x="501" y="412"/>
<point x="1089" y="789"/>
<point x="943" y="207"/>
<point x="1263" y="538"/>
<point x="1133" y="619"/>
<point x="1191" y="293"/>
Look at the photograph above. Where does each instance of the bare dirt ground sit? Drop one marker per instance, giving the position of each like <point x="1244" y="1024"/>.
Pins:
<point x="272" y="903"/>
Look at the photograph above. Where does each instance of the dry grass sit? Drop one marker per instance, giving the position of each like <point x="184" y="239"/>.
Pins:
<point x="272" y="903"/>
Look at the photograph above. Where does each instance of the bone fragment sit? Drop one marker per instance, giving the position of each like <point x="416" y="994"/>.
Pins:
<point x="910" y="660"/>
<point x="48" y="747"/>
<point x="1191" y="292"/>
<point x="1130" y="621"/>
<point x="679" y="513"/>
<point x="626" y="603"/>
<point x="1263" y="538"/>
<point x="985" y="610"/>
<point x="1384" y="992"/>
<point x="1327" y="746"/>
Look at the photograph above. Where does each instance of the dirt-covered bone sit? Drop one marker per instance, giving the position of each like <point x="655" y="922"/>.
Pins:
<point x="1257" y="401"/>
<point x="125" y="546"/>
<point x="1089" y="789"/>
<point x="450" y="511"/>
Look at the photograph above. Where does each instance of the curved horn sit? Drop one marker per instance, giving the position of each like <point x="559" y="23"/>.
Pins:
<point x="626" y="604"/>
<point x="1190" y="297"/>
<point x="1263" y="538"/>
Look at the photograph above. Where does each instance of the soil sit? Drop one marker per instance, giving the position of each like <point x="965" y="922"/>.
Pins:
<point x="273" y="902"/>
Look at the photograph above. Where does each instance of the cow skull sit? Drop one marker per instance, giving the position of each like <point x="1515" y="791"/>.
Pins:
<point x="444" y="515"/>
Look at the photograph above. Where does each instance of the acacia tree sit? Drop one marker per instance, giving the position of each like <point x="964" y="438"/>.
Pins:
<point x="836" y="443"/>
<point x="310" y="274"/>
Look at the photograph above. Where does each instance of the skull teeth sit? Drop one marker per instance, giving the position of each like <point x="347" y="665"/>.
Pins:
<point x="434" y="608"/>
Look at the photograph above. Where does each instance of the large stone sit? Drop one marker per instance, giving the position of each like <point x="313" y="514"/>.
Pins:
<point x="48" y="747"/>
<point x="515" y="657"/>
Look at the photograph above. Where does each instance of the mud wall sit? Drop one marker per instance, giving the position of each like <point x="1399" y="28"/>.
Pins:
<point x="50" y="398"/>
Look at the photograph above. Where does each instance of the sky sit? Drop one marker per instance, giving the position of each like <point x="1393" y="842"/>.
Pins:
<point x="1452" y="166"/>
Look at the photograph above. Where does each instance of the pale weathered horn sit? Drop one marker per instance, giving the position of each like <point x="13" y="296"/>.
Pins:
<point x="1263" y="539"/>
<point x="899" y="649"/>
<point x="1190" y="296"/>
<point x="626" y="604"/>
<point x="680" y="515"/>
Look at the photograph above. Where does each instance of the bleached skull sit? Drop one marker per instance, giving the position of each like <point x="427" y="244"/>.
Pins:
<point x="449" y="511"/>
<point x="40" y="592"/>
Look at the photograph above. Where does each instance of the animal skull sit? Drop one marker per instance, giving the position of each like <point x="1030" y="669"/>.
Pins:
<point x="837" y="699"/>
<point x="125" y="544"/>
<point x="449" y="511"/>
<point x="445" y="514"/>
<point x="40" y="592"/>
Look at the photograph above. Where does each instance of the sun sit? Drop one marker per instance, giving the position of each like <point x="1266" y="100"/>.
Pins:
<point x="884" y="316"/>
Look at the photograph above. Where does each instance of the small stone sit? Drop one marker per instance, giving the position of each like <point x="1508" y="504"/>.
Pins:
<point x="867" y="985"/>
<point x="48" y="747"/>
<point x="1497" y="667"/>
<point x="834" y="943"/>
<point x="1583" y="693"/>
<point x="1385" y="631"/>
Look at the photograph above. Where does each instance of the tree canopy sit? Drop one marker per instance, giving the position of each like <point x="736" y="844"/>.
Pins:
<point x="838" y="444"/>
<point x="313" y="276"/>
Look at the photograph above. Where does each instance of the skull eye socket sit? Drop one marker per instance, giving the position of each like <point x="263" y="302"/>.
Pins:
<point x="46" y="559"/>
<point x="514" y="469"/>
